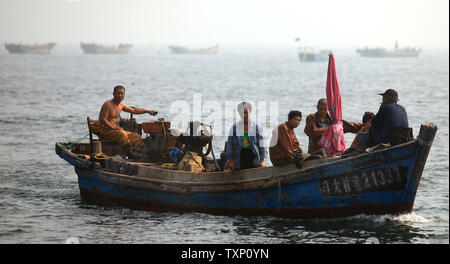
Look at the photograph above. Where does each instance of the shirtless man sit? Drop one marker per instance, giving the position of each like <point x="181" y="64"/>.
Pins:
<point x="107" y="127"/>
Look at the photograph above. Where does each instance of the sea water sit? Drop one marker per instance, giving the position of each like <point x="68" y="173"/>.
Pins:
<point x="46" y="98"/>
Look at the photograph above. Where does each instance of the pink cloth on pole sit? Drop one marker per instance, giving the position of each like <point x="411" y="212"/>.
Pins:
<point x="333" y="140"/>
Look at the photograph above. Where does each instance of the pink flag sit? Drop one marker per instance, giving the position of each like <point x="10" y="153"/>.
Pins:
<point x="333" y="140"/>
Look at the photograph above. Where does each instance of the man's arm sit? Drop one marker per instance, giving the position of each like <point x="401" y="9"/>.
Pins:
<point x="229" y="151"/>
<point x="284" y="140"/>
<point x="351" y="127"/>
<point x="138" y="111"/>
<point x="262" y="148"/>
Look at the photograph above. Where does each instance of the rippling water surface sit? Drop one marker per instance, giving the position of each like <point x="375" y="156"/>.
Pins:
<point x="44" y="99"/>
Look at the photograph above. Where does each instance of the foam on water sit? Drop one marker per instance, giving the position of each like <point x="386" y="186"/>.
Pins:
<point x="411" y="219"/>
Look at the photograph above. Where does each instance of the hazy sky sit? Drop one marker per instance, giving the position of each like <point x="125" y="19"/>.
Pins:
<point x="326" y="23"/>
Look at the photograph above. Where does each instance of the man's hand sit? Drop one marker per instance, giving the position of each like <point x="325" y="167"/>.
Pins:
<point x="261" y="163"/>
<point x="153" y="112"/>
<point x="230" y="164"/>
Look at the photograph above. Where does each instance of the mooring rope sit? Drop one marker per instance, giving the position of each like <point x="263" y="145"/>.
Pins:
<point x="70" y="145"/>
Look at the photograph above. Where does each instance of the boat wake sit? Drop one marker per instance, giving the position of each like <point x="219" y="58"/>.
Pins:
<point x="410" y="219"/>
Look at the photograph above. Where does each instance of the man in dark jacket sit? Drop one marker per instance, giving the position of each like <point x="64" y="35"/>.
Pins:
<point x="390" y="116"/>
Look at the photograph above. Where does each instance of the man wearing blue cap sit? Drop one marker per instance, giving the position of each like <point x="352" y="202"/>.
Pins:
<point x="390" y="116"/>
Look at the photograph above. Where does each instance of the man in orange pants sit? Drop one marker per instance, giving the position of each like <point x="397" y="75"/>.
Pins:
<point x="107" y="126"/>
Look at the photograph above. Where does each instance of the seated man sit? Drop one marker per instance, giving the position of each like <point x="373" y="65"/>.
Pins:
<point x="367" y="118"/>
<point x="389" y="117"/>
<point x="284" y="142"/>
<point x="107" y="127"/>
<point x="318" y="123"/>
<point x="245" y="145"/>
<point x="361" y="141"/>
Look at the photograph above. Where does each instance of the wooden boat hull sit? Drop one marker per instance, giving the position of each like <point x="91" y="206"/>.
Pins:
<point x="382" y="53"/>
<point x="271" y="201"/>
<point x="184" y="50"/>
<point x="382" y="182"/>
<point x="30" y="49"/>
<point x="92" y="48"/>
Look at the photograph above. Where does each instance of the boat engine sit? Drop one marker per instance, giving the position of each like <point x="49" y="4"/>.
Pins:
<point x="130" y="125"/>
<point x="198" y="139"/>
<point x="159" y="140"/>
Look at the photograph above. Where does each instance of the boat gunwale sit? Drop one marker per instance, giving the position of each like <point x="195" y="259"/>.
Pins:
<point x="329" y="163"/>
<point x="288" y="178"/>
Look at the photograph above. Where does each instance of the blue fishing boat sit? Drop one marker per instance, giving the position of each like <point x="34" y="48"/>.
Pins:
<point x="384" y="181"/>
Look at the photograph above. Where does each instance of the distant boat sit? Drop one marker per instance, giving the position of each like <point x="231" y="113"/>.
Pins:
<point x="305" y="55"/>
<point x="30" y="49"/>
<point x="92" y="48"/>
<point x="381" y="52"/>
<point x="184" y="50"/>
<point x="308" y="53"/>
